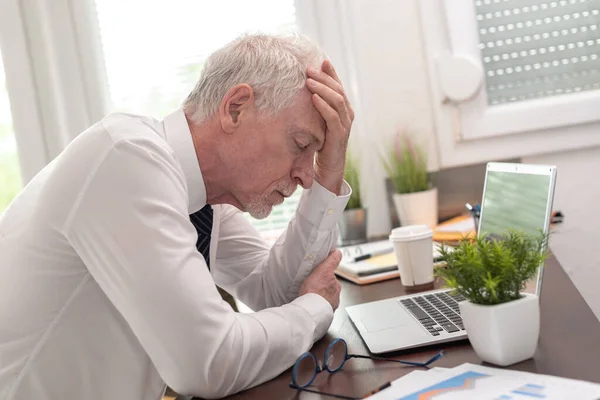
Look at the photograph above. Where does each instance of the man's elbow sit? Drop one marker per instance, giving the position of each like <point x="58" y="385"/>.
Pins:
<point x="195" y="386"/>
<point x="207" y="375"/>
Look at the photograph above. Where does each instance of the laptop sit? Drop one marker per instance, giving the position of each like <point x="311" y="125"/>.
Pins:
<point x="517" y="196"/>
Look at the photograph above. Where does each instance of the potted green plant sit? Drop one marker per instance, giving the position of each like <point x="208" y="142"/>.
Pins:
<point x="353" y="224"/>
<point x="502" y="322"/>
<point x="415" y="200"/>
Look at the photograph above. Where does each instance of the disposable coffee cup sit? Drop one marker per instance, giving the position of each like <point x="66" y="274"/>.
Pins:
<point x="413" y="246"/>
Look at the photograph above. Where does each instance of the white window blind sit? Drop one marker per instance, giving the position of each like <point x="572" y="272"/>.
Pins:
<point x="153" y="58"/>
<point x="538" y="48"/>
<point x="10" y="176"/>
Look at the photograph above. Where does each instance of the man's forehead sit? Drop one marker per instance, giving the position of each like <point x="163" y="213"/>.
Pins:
<point x="305" y="114"/>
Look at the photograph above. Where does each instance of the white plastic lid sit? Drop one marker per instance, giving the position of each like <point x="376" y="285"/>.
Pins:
<point x="410" y="233"/>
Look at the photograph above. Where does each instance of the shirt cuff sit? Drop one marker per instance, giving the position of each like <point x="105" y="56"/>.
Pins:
<point x="322" y="207"/>
<point x="320" y="311"/>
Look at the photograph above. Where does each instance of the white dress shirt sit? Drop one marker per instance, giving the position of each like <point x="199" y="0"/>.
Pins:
<point x="103" y="294"/>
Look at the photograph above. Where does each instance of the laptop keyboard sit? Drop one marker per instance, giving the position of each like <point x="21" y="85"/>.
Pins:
<point x="437" y="312"/>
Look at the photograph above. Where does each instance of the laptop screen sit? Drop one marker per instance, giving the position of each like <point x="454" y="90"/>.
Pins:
<point x="518" y="196"/>
<point x="514" y="201"/>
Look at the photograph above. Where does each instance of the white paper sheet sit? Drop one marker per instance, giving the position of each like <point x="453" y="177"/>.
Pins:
<point x="469" y="381"/>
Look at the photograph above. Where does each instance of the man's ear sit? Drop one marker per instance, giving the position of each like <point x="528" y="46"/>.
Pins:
<point x="236" y="105"/>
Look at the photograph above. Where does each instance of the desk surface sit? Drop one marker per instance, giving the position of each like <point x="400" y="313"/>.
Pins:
<point x="569" y="344"/>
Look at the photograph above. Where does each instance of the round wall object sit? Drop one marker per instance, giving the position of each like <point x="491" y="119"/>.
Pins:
<point x="460" y="77"/>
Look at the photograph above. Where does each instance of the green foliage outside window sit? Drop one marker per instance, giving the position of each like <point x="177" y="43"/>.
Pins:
<point x="10" y="175"/>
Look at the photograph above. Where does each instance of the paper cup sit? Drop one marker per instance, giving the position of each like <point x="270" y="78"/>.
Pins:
<point x="413" y="247"/>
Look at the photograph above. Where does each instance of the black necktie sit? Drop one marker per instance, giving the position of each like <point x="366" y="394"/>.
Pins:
<point x="203" y="221"/>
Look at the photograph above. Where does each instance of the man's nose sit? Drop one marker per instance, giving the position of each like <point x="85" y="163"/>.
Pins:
<point x="304" y="172"/>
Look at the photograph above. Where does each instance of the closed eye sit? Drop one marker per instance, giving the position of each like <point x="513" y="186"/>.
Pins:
<point x="302" y="146"/>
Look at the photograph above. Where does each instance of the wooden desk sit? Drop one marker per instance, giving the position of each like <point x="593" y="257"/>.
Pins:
<point x="569" y="344"/>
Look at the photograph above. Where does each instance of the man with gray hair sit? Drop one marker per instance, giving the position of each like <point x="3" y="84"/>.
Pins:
<point x="109" y="257"/>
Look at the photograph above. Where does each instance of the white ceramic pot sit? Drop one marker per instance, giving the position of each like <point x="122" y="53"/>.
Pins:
<point x="506" y="333"/>
<point x="419" y="208"/>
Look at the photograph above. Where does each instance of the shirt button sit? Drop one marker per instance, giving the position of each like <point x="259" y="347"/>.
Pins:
<point x="309" y="256"/>
<point x="330" y="211"/>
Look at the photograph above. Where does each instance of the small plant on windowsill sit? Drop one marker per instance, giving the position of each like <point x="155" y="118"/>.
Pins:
<point x="502" y="322"/>
<point x="415" y="199"/>
<point x="353" y="224"/>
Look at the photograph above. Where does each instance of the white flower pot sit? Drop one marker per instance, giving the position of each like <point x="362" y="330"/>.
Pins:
<point x="419" y="208"/>
<point x="506" y="333"/>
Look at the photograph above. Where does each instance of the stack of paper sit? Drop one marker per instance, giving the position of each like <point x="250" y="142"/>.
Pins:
<point x="469" y="381"/>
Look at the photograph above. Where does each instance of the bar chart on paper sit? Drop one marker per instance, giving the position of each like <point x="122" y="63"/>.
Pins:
<point x="527" y="390"/>
<point x="470" y="381"/>
<point x="470" y="384"/>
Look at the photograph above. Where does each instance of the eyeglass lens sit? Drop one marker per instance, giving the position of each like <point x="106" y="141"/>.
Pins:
<point x="305" y="370"/>
<point x="335" y="356"/>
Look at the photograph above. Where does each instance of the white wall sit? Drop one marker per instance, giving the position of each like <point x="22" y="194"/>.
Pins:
<point x="392" y="86"/>
<point x="394" y="93"/>
<point x="575" y="242"/>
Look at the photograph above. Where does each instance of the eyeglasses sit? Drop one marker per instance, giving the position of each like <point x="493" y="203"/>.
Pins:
<point x="306" y="367"/>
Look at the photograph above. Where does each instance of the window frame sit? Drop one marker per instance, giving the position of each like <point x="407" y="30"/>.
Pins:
<point x="32" y="151"/>
<point x="519" y="129"/>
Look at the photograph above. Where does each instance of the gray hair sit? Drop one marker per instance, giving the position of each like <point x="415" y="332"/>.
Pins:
<point x="274" y="66"/>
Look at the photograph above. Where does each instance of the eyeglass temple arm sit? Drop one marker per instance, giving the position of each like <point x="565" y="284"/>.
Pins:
<point x="414" y="363"/>
<point x="339" y="396"/>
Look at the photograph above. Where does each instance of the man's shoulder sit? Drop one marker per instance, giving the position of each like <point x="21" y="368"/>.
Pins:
<point x="131" y="126"/>
<point x="121" y="130"/>
<point x="130" y="136"/>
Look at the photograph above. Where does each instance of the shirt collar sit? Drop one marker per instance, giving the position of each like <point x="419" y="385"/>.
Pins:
<point x="179" y="137"/>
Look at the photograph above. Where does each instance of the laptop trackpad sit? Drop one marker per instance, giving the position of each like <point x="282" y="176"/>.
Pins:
<point x="386" y="315"/>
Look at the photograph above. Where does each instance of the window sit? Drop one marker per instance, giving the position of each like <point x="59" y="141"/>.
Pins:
<point x="532" y="51"/>
<point x="10" y="176"/>
<point x="153" y="59"/>
<point x="526" y="68"/>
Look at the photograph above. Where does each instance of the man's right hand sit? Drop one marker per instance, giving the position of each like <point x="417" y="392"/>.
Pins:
<point x="323" y="282"/>
<point x="330" y="99"/>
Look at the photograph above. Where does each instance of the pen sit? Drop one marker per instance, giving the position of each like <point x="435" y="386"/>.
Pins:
<point x="379" y="389"/>
<point x="473" y="209"/>
<point x="372" y="254"/>
<point x="475" y="213"/>
<point x="379" y="270"/>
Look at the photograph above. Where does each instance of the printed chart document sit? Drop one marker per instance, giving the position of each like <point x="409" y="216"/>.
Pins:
<point x="469" y="381"/>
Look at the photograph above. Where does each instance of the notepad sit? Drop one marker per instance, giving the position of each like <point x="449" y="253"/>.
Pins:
<point x="373" y="265"/>
<point x="349" y="253"/>
<point x="374" y="269"/>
